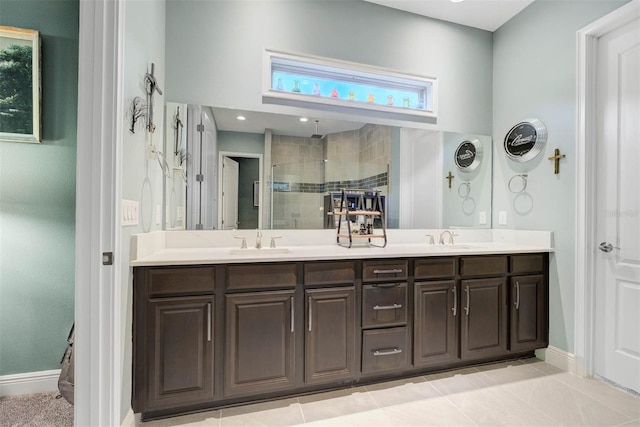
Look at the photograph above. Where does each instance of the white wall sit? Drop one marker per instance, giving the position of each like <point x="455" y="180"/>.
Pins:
<point x="534" y="75"/>
<point x="141" y="179"/>
<point x="226" y="39"/>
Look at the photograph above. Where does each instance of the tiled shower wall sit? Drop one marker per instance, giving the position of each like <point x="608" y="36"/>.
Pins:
<point x="354" y="159"/>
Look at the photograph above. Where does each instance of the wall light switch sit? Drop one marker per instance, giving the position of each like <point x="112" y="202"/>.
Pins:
<point x="482" y="217"/>
<point x="502" y="218"/>
<point x="129" y="212"/>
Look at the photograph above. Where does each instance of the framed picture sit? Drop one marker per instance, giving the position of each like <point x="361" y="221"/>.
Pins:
<point x="20" y="85"/>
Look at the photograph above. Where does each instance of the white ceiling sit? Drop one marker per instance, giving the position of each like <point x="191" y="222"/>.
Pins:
<point x="280" y="124"/>
<point x="484" y="14"/>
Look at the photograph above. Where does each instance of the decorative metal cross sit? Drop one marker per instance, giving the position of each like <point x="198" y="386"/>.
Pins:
<point x="449" y="177"/>
<point x="178" y="126"/>
<point x="556" y="158"/>
<point x="151" y="86"/>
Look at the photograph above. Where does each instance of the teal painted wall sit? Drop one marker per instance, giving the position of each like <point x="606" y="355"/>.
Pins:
<point x="534" y="76"/>
<point x="241" y="142"/>
<point x="37" y="201"/>
<point x="215" y="52"/>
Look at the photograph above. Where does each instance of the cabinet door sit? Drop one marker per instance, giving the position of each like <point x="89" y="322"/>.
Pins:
<point x="260" y="342"/>
<point x="528" y="313"/>
<point x="180" y="351"/>
<point x="330" y="335"/>
<point x="484" y="318"/>
<point x="436" y="316"/>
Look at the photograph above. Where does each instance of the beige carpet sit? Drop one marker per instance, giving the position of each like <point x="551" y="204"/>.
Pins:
<point x="35" y="410"/>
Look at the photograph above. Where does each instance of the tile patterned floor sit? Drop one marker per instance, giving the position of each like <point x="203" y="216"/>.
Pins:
<point x="518" y="393"/>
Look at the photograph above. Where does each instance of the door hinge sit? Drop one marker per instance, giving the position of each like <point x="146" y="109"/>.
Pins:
<point x="200" y="128"/>
<point x="199" y="177"/>
<point x="107" y="258"/>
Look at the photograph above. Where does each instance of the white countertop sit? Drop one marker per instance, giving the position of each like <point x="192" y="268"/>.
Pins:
<point x="221" y="247"/>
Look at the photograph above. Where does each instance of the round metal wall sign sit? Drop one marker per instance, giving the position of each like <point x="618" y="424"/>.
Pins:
<point x="525" y="140"/>
<point x="468" y="155"/>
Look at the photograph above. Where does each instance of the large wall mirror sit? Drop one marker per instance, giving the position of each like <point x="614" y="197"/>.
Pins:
<point x="248" y="170"/>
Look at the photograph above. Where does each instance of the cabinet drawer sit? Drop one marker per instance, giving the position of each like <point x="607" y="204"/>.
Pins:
<point x="384" y="270"/>
<point x="258" y="276"/>
<point x="384" y="350"/>
<point x="329" y="273"/>
<point x="435" y="268"/>
<point x="384" y="305"/>
<point x="483" y="265"/>
<point x="533" y="263"/>
<point x="181" y="281"/>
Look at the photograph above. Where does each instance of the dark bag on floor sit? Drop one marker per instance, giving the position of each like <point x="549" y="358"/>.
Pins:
<point x="65" y="381"/>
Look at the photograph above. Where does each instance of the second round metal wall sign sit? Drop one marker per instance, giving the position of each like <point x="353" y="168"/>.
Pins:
<point x="525" y="140"/>
<point x="468" y="155"/>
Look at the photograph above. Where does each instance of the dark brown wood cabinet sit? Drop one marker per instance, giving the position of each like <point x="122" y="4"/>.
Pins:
<point x="259" y="343"/>
<point x="483" y="331"/>
<point x="436" y="314"/>
<point x="180" y="351"/>
<point x="174" y="342"/>
<point x="528" y="313"/>
<point x="384" y="304"/>
<point x="330" y="334"/>
<point x="218" y="335"/>
<point x="385" y="349"/>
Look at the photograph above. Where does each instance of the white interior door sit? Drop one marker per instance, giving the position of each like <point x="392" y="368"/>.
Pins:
<point x="229" y="196"/>
<point x="421" y="167"/>
<point x="617" y="317"/>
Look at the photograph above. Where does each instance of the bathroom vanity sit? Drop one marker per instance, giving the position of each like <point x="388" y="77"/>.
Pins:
<point x="214" y="326"/>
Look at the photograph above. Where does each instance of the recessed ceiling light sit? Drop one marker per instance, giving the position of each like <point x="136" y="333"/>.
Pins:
<point x="457" y="1"/>
<point x="241" y="118"/>
<point x="304" y="119"/>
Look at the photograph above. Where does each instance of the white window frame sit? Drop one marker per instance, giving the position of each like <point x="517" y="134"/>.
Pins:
<point x="324" y="67"/>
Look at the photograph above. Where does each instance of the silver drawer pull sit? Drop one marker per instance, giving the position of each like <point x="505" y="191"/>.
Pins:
<point x="455" y="301"/>
<point x="392" y="271"/>
<point x="208" y="321"/>
<point x="385" y="285"/>
<point x="387" y="352"/>
<point x="387" y="307"/>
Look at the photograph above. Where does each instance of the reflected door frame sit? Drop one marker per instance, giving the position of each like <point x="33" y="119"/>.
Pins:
<point x="221" y="156"/>
<point x="582" y="363"/>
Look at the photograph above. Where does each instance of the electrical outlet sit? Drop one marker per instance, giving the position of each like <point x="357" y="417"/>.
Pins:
<point x="502" y="218"/>
<point x="482" y="217"/>
<point x="158" y="214"/>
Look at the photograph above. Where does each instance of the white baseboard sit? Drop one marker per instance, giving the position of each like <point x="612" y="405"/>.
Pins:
<point x="29" y="382"/>
<point x="129" y="419"/>
<point x="558" y="358"/>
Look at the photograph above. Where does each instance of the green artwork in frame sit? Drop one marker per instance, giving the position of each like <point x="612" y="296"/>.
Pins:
<point x="20" y="85"/>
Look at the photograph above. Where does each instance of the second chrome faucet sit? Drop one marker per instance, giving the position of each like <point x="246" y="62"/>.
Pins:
<point x="450" y="242"/>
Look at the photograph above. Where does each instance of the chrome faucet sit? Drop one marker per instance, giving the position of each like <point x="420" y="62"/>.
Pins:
<point x="450" y="242"/>
<point x="259" y="240"/>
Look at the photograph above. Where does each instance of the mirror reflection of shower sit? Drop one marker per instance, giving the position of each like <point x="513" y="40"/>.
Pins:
<point x="302" y="194"/>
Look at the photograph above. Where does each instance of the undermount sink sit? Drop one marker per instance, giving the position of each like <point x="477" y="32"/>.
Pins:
<point x="452" y="246"/>
<point x="261" y="251"/>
